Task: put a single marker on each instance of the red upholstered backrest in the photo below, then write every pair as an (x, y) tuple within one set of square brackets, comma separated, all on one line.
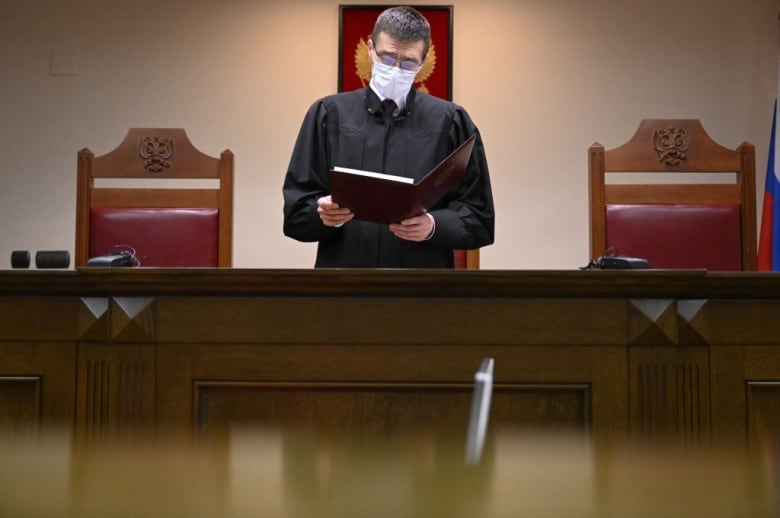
[(677, 236), (172, 237), (460, 259)]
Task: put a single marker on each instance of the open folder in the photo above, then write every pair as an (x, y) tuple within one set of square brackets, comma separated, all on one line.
[(384, 198)]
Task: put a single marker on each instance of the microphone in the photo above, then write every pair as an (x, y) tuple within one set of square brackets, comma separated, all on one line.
[(52, 259)]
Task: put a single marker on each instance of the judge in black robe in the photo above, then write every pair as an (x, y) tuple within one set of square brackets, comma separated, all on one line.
[(353, 130)]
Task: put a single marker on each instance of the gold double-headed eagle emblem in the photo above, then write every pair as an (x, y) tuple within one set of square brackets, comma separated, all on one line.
[(363, 65)]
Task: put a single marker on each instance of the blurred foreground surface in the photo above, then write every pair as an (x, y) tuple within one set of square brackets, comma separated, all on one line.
[(250, 472)]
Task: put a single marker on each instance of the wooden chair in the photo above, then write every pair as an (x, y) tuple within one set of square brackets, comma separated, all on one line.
[(158, 195), (466, 259), (675, 225)]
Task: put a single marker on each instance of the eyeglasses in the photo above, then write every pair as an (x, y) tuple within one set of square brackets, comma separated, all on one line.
[(391, 61)]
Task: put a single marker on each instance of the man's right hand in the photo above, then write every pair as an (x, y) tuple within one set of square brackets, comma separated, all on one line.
[(331, 214)]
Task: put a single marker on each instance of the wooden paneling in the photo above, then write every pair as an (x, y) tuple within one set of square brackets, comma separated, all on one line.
[(381, 320), (745, 322), (385, 408), (669, 388), (20, 402), (115, 390), (746, 391), (763, 409), (649, 355), (571, 387), (36, 384), (727, 392), (38, 318)]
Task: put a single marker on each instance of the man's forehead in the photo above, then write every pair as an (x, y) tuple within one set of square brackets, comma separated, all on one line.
[(386, 42)]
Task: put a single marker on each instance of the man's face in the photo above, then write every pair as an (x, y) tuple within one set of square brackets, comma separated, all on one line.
[(406, 54)]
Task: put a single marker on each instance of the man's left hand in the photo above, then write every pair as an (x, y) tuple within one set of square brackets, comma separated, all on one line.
[(418, 228)]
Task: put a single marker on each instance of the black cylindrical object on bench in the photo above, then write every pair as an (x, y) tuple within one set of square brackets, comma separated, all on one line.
[(52, 259), (20, 259)]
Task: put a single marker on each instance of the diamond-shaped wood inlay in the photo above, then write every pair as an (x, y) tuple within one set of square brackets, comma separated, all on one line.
[(132, 319), (694, 321), (652, 322), (668, 322), (93, 318)]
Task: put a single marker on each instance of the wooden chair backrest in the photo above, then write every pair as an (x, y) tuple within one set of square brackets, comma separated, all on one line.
[(661, 147), (155, 156)]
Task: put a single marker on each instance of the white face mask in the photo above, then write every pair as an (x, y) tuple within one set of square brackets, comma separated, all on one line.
[(392, 82)]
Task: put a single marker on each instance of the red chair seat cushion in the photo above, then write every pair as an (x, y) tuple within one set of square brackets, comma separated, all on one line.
[(677, 236), (165, 237)]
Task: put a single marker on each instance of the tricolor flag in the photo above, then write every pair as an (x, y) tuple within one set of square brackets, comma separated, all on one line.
[(769, 239)]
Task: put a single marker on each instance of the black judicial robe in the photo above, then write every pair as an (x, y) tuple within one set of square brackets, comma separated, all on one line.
[(351, 130)]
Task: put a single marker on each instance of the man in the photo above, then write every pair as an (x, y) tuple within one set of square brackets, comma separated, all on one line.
[(352, 130)]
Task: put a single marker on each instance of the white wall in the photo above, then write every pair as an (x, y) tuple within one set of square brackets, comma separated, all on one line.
[(542, 79)]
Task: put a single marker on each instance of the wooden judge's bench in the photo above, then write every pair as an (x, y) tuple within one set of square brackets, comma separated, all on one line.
[(688, 355)]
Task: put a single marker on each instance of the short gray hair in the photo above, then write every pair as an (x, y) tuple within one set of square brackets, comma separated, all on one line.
[(405, 24)]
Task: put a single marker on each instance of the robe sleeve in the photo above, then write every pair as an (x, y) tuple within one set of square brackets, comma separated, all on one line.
[(307, 179), (465, 219)]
